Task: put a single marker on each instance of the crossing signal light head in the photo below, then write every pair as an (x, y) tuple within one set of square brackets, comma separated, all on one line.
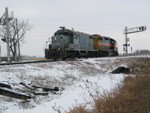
[(143, 28), (3, 39)]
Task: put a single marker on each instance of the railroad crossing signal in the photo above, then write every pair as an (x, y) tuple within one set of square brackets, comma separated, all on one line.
[(135, 29), (129, 31), (126, 44), (4, 20)]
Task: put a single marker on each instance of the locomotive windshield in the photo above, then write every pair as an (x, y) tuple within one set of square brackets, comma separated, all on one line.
[(64, 32), (112, 41)]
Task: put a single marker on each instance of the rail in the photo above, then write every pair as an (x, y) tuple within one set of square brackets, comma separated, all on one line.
[(26, 62), (51, 60)]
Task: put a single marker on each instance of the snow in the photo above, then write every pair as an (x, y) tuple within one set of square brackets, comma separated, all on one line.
[(79, 79)]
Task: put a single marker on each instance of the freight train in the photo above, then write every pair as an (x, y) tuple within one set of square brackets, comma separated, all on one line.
[(68, 43)]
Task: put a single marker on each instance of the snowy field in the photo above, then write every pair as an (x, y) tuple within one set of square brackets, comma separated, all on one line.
[(79, 79)]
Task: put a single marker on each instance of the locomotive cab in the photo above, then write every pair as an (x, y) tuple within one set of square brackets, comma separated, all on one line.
[(62, 38), (61, 42)]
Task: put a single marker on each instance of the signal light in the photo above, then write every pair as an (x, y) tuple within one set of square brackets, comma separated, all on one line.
[(3, 39), (143, 28)]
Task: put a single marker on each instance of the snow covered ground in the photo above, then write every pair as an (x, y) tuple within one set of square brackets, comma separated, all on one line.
[(79, 79)]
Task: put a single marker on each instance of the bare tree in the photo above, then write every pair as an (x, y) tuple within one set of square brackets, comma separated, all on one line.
[(17, 33)]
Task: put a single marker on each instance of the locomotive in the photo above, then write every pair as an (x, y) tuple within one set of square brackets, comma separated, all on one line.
[(66, 43)]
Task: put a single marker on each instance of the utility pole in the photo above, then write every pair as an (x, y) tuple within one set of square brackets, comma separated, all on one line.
[(129, 31), (126, 41), (7, 34), (18, 38), (0, 54), (4, 20)]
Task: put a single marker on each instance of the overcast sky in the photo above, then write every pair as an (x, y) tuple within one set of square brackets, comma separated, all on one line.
[(104, 17)]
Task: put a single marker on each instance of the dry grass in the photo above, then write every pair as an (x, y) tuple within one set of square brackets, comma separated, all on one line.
[(140, 66), (133, 96), (34, 58), (79, 109)]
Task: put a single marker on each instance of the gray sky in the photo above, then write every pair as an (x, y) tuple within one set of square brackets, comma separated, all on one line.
[(104, 17)]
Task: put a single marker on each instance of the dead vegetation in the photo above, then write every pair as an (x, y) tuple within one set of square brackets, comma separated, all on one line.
[(133, 96), (140, 66)]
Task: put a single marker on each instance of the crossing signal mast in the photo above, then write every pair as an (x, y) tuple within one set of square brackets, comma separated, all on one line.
[(4, 21), (129, 31)]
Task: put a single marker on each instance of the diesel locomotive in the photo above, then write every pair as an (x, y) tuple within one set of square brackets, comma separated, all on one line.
[(66, 43)]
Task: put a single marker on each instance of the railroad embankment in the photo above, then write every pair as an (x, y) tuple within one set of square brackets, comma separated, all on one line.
[(133, 96)]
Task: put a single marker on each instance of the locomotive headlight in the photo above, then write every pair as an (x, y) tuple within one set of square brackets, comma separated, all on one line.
[(54, 38)]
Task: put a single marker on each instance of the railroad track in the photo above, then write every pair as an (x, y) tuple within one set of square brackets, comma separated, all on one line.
[(34, 61), (26, 62)]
